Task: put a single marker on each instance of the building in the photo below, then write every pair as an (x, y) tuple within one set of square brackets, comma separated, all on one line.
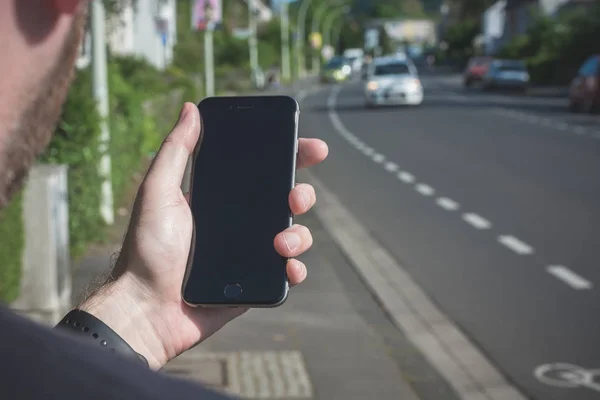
[(147, 29), (520, 14), (493, 27)]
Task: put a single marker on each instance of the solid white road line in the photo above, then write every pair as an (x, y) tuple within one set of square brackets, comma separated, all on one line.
[(569, 277), (425, 190), (378, 158), (391, 167), (406, 177), (369, 151), (516, 245), (477, 221), (447, 204)]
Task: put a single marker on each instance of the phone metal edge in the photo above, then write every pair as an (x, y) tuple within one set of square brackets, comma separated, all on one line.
[(286, 289)]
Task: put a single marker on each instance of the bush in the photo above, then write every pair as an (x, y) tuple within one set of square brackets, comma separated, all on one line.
[(75, 143), (554, 48), (11, 249)]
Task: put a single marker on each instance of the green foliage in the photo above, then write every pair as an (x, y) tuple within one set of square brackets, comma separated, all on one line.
[(75, 143), (555, 48), (460, 40), (11, 248)]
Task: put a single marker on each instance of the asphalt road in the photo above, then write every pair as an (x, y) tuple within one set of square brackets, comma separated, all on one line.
[(492, 203)]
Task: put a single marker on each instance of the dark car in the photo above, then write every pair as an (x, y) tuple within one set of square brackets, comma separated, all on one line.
[(476, 69), (506, 74), (338, 69), (584, 92)]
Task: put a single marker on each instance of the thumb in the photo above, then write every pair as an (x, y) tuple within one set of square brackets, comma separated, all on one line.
[(168, 167)]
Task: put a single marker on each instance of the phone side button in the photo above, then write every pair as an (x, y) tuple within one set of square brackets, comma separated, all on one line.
[(232, 291)]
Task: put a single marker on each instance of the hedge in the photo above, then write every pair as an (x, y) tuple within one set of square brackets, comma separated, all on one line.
[(143, 105), (11, 249)]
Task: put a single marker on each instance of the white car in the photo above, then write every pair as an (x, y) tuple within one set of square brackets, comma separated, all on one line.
[(392, 81)]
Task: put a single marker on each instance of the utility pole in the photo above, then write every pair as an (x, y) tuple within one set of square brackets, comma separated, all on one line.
[(285, 42), (209, 60), (316, 21), (252, 41), (335, 41), (328, 23), (301, 26), (100, 91)]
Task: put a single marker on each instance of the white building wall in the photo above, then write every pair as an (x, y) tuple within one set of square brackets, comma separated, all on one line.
[(136, 32)]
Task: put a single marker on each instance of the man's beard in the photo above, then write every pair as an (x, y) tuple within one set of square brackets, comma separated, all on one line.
[(36, 125)]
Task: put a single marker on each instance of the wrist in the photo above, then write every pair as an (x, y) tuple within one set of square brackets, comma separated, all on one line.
[(128, 310)]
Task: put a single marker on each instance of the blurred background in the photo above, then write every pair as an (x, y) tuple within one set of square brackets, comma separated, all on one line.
[(457, 231)]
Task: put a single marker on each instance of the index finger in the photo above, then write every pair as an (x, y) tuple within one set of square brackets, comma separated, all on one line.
[(311, 152)]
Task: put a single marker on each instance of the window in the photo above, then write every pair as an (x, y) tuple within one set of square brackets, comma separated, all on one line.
[(590, 67), (392, 69)]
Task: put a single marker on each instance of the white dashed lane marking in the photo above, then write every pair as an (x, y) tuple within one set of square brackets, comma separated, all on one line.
[(569, 277), (516, 245), (378, 158), (447, 204), (391, 167), (512, 243), (406, 177), (425, 190), (477, 221)]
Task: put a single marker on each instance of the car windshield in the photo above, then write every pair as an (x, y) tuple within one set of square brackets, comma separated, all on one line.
[(337, 62), (392, 69), (511, 66)]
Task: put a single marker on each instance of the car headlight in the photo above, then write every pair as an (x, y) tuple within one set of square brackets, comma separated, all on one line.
[(372, 86), (414, 85)]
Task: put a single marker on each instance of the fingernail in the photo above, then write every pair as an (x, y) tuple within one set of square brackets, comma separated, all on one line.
[(182, 113), (292, 241), (298, 267), (304, 198)]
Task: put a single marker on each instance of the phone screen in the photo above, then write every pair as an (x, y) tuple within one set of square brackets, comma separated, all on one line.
[(242, 175)]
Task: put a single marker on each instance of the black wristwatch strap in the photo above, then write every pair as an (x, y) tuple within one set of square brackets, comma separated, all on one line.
[(86, 325)]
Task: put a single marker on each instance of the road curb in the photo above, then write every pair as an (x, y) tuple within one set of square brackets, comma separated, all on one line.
[(460, 362), (465, 368)]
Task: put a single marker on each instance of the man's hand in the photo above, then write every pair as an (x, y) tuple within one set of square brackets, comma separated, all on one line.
[(143, 302)]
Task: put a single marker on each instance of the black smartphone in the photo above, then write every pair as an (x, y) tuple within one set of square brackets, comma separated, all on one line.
[(243, 170)]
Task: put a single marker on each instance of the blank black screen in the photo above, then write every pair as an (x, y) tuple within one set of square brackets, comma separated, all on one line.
[(242, 175)]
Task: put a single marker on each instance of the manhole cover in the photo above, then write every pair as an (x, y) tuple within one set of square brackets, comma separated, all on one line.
[(251, 375)]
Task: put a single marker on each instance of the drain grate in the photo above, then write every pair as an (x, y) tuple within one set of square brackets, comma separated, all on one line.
[(250, 375)]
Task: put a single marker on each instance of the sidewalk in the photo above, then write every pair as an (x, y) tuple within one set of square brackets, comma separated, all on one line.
[(325, 342)]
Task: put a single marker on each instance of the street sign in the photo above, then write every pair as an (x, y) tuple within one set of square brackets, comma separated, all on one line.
[(327, 52), (316, 40), (206, 14)]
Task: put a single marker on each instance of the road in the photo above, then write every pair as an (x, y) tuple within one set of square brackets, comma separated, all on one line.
[(491, 202)]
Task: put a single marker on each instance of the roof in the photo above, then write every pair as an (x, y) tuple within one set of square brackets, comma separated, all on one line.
[(390, 60)]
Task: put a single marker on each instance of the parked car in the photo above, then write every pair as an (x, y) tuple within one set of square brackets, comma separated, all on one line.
[(476, 69), (506, 74), (393, 80), (338, 69), (584, 92)]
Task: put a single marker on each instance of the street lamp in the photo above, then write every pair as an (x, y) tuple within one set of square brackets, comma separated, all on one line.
[(316, 22), (328, 23), (300, 37), (335, 36)]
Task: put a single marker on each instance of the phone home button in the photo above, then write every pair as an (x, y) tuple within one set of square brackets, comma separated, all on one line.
[(232, 291)]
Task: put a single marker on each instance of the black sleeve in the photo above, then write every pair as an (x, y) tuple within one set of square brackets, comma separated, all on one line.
[(40, 363)]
